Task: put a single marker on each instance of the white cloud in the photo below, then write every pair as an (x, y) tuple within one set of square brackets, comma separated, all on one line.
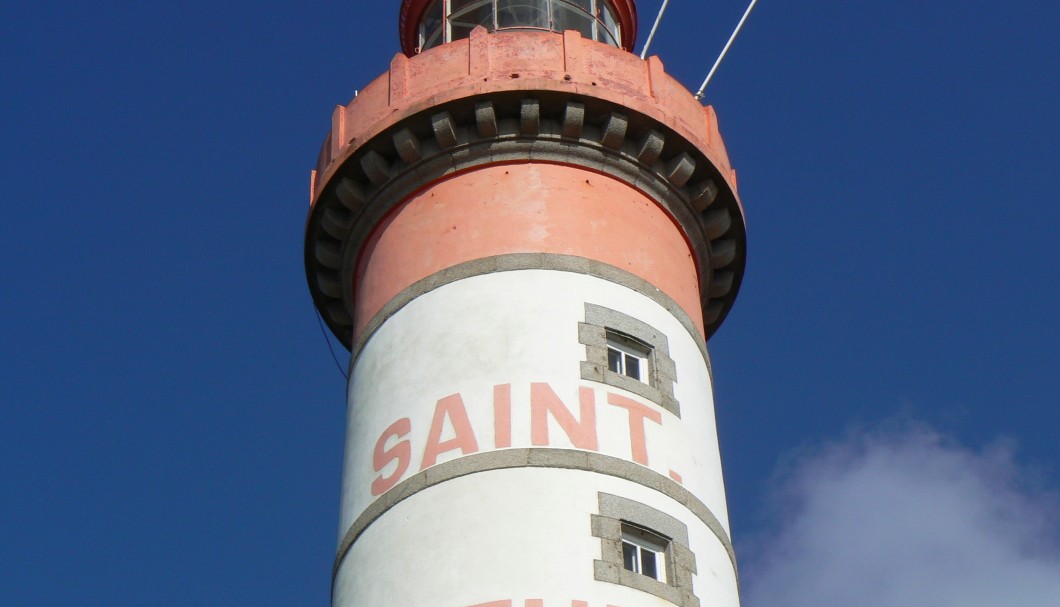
[(906, 519)]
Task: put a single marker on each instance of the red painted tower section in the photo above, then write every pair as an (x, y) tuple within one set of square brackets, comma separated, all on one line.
[(525, 237)]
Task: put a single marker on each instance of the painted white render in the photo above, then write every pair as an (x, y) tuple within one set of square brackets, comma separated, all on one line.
[(525, 547), (516, 329)]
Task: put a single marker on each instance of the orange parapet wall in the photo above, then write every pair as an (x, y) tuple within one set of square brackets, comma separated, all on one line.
[(520, 61)]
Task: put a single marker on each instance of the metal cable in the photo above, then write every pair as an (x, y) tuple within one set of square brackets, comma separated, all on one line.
[(323, 331)]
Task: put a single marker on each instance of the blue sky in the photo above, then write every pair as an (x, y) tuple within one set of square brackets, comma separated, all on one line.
[(171, 419)]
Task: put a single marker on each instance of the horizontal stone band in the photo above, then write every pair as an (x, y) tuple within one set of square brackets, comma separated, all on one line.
[(504, 459), (530, 261)]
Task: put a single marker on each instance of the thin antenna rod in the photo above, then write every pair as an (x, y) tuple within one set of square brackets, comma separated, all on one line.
[(651, 36), (739, 26)]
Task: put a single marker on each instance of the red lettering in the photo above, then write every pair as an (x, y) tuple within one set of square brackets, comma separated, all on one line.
[(531, 603), (502, 416), (401, 451), (543, 400), (464, 437), (637, 414)]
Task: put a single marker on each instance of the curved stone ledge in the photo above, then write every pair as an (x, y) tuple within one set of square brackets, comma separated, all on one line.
[(519, 127), (568, 459), (529, 261)]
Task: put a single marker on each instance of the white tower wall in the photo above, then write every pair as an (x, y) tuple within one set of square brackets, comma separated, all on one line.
[(457, 359)]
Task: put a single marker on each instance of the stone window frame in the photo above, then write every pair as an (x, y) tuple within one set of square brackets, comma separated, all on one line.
[(662, 372), (616, 511)]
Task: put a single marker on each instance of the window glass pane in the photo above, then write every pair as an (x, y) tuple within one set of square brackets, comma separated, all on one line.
[(643, 551), (565, 17), (614, 360), (647, 563), (629, 557), (633, 366), (632, 356), (522, 13)]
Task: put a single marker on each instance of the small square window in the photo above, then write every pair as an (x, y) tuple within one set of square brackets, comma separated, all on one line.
[(644, 552), (628, 356)]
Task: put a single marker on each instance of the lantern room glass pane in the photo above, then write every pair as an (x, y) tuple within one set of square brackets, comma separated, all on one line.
[(522, 13), (565, 17), (609, 31), (431, 26), (449, 20), (465, 15), (471, 12), (432, 39)]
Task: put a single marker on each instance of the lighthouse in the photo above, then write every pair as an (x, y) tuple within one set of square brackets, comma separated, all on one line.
[(526, 235)]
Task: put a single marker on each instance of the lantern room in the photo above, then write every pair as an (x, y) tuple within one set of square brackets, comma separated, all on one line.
[(426, 24)]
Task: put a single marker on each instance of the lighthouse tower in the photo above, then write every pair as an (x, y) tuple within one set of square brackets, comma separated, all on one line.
[(526, 234)]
